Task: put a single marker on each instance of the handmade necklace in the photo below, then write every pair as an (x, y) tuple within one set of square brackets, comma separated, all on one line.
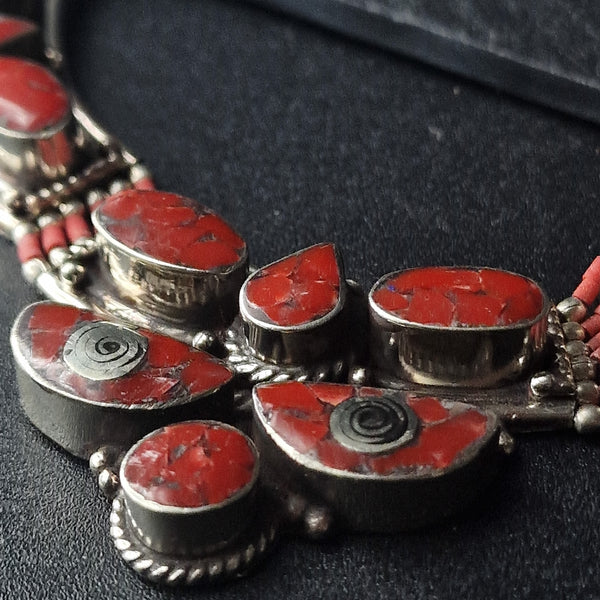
[(125, 357)]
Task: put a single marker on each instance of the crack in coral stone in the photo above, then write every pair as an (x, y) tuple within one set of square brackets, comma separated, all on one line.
[(459, 297), (171, 370), (171, 228), (297, 289), (31, 98), (189, 465), (300, 414)]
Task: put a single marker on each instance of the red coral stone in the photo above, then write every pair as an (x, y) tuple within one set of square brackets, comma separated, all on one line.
[(438, 445), (332, 393), (301, 432), (428, 409), (50, 325), (172, 370), (297, 289), (291, 395), (171, 228), (303, 422), (333, 454), (10, 28), (189, 465), (203, 373), (459, 297), (31, 98)]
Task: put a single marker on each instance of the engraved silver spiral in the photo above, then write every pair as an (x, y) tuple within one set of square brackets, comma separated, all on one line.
[(103, 350), (373, 424)]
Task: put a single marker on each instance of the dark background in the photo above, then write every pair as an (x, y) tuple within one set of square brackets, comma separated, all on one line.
[(296, 136)]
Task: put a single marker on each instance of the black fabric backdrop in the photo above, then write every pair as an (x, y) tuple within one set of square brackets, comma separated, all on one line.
[(297, 136)]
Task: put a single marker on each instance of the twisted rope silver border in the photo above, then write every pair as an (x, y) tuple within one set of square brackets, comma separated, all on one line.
[(247, 366), (228, 563)]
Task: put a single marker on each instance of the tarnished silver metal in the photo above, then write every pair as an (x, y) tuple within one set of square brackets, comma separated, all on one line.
[(80, 425), (584, 368), (365, 501), (72, 273), (21, 229), (297, 344), (102, 350), (573, 331), (32, 159), (108, 482), (251, 370), (58, 256), (190, 531), (104, 458), (230, 562), (587, 419), (572, 309), (455, 355), (519, 410), (588, 392), (195, 298), (576, 348)]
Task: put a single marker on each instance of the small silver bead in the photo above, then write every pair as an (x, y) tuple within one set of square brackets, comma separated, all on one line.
[(573, 331), (58, 256), (72, 273), (108, 482), (583, 368), (33, 268), (576, 348), (359, 376), (95, 196), (22, 229), (507, 442), (103, 458), (209, 342), (588, 392), (139, 172), (317, 522), (587, 419), (72, 207), (118, 185), (48, 219), (572, 309), (203, 340), (295, 506), (541, 384), (84, 248)]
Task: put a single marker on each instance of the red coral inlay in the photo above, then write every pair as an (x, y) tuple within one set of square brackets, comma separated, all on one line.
[(11, 29), (300, 414), (189, 465), (459, 297), (31, 98), (172, 229), (297, 289), (172, 370)]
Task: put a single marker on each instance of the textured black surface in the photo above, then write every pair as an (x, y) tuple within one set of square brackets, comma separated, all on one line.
[(542, 50), (297, 136)]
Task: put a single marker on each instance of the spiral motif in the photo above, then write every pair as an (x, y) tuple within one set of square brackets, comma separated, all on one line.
[(373, 424), (102, 350)]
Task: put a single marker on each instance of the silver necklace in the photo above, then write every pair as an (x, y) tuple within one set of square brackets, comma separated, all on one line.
[(279, 338)]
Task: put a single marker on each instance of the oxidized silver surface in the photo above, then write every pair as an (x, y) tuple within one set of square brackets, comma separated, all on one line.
[(465, 356), (228, 563), (373, 424), (103, 350)]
